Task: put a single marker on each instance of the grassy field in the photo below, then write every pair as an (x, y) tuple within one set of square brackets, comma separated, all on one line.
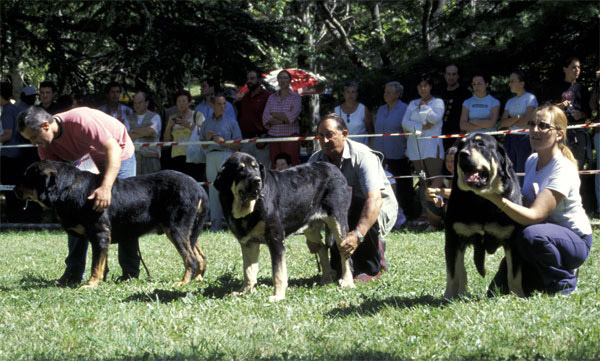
[(400, 316)]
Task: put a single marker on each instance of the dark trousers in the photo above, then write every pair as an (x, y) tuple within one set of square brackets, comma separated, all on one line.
[(369, 256), (580, 143), (550, 254), (405, 192)]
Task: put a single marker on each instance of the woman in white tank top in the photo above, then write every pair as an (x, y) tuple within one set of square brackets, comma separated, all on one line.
[(356, 115)]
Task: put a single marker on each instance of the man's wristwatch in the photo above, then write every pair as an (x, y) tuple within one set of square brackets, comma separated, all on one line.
[(359, 235)]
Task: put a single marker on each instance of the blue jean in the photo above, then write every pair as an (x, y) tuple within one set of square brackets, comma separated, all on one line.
[(555, 252), (128, 256)]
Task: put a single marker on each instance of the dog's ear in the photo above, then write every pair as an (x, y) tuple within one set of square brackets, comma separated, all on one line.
[(505, 163), (48, 191), (221, 178), (263, 171)]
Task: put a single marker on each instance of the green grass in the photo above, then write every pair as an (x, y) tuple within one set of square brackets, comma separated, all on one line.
[(400, 316)]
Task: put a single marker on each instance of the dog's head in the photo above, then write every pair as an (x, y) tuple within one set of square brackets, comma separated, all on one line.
[(39, 183), (482, 165), (244, 177)]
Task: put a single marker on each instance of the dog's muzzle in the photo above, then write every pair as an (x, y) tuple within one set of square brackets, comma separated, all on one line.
[(475, 175), (253, 188)]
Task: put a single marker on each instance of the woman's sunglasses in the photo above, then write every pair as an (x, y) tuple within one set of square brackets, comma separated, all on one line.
[(540, 125)]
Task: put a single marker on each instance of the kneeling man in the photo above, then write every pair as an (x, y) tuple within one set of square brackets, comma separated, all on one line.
[(374, 207)]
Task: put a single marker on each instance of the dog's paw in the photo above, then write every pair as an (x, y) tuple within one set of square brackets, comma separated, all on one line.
[(276, 298), (181, 283), (89, 286), (346, 283), (243, 291), (326, 279)]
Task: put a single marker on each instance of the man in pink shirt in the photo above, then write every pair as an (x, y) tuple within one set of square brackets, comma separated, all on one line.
[(69, 136)]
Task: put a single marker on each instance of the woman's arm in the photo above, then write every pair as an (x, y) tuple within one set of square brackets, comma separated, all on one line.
[(543, 205)]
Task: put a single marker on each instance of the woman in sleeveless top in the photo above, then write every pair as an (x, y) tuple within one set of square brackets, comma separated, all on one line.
[(355, 115)]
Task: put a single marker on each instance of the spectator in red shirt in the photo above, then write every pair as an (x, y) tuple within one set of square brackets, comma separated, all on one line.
[(252, 106), (68, 137)]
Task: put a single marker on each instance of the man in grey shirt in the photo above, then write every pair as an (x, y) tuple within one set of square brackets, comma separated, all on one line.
[(374, 207)]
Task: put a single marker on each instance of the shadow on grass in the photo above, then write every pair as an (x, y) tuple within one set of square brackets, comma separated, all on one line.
[(375, 305), (34, 282), (162, 296)]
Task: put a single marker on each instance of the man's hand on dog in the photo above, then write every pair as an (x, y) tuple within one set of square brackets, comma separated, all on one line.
[(102, 198), (349, 245)]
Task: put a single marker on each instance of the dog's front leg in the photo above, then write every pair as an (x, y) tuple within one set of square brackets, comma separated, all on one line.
[(99, 260), (515, 279), (456, 274), (250, 253), (335, 229), (279, 266)]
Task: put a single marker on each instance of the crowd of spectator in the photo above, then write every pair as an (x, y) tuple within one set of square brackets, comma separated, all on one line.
[(441, 108)]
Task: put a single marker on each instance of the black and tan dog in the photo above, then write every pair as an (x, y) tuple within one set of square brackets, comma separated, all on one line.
[(481, 165), (266, 206), (166, 201)]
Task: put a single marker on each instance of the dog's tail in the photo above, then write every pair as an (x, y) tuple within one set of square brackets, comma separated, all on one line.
[(479, 257)]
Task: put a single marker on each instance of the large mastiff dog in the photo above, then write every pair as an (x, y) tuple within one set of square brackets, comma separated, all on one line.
[(481, 166), (266, 206), (166, 201)]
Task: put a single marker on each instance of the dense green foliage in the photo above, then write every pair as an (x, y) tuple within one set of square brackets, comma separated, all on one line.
[(400, 316), (170, 44)]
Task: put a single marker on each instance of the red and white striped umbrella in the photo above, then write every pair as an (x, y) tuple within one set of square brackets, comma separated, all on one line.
[(303, 82)]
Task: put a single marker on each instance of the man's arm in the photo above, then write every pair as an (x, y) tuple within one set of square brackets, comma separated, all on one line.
[(102, 194), (368, 217), (5, 137), (142, 132)]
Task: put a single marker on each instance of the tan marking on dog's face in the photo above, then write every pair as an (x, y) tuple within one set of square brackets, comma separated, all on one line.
[(253, 164), (243, 165), (258, 232), (30, 194), (239, 208), (79, 229)]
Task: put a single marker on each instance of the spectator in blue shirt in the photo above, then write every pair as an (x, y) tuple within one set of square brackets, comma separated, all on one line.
[(218, 128), (389, 120)]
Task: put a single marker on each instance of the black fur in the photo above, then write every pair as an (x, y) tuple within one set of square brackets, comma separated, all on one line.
[(166, 201), (286, 201), (465, 206)]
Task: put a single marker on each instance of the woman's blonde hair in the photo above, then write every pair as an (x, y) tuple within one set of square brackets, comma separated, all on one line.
[(555, 116)]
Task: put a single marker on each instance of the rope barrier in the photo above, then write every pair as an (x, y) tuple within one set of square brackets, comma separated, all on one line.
[(10, 187), (314, 137)]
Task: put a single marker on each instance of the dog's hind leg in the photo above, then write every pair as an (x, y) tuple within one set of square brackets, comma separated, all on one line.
[(99, 261), (182, 244), (313, 235), (201, 259), (337, 230)]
